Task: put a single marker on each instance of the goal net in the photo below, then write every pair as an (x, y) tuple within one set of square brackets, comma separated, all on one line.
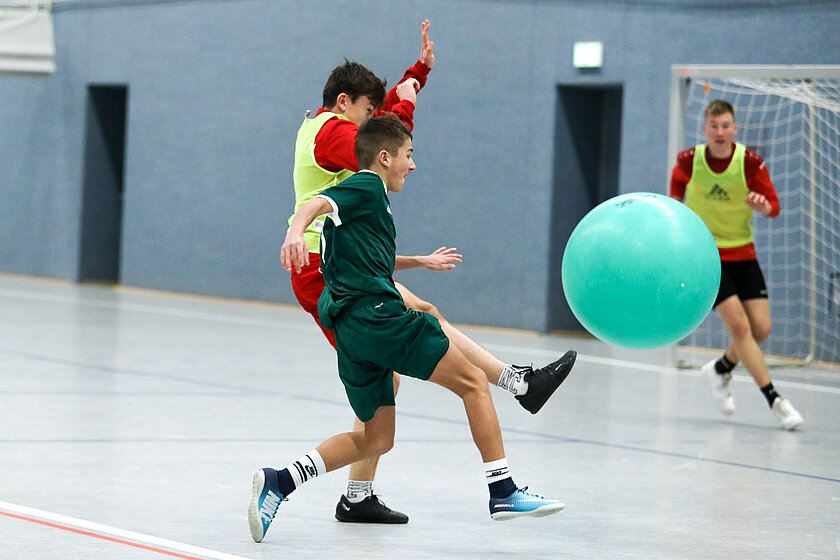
[(790, 115)]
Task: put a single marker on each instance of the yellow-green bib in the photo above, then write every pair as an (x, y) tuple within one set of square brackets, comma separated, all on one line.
[(718, 198), (310, 178)]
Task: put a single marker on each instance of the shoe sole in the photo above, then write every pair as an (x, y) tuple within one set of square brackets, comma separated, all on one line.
[(726, 411), (793, 426), (539, 512), (371, 521), (254, 521), (567, 362)]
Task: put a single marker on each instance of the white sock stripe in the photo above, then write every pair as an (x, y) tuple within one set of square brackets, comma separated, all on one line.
[(496, 470), (307, 467), (506, 377), (358, 490), (297, 473), (317, 462), (497, 464), (512, 379)]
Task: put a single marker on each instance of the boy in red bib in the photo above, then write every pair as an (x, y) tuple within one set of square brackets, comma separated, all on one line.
[(724, 182)]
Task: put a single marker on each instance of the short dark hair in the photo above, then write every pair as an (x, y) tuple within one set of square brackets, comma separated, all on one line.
[(355, 80), (719, 107), (380, 133)]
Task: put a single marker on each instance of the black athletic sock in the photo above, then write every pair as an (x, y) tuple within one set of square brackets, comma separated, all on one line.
[(724, 366), (770, 393), (503, 488), (285, 482)]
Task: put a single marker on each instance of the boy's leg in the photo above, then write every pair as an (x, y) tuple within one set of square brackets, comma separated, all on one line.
[(270, 487), (359, 504), (457, 374), (376, 439), (758, 314), (746, 350), (741, 340), (474, 352), (532, 388)]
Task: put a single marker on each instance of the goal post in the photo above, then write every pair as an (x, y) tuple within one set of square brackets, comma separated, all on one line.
[(790, 115)]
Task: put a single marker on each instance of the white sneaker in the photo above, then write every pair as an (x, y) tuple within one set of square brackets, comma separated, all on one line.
[(787, 415), (719, 385)]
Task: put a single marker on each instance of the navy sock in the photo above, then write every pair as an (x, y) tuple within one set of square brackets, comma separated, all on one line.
[(770, 393), (502, 488), (723, 365), (285, 483)]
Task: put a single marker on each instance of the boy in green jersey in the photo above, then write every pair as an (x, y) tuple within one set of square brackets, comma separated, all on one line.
[(376, 334), (325, 155)]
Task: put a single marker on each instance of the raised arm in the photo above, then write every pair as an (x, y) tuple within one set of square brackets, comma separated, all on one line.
[(419, 72), (294, 252), (427, 48)]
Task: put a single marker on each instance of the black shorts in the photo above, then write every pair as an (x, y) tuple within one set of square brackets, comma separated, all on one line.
[(741, 278)]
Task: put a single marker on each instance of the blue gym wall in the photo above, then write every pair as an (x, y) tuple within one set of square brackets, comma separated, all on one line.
[(217, 90)]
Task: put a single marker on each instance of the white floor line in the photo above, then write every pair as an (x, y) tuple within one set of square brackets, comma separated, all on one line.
[(114, 531), (158, 310), (273, 323), (654, 368)]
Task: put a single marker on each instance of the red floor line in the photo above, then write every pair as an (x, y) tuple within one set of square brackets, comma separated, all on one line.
[(98, 536)]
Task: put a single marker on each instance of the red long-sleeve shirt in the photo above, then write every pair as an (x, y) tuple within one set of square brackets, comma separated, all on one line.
[(758, 180), (335, 143)]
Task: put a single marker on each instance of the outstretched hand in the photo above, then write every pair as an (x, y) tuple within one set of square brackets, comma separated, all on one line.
[(294, 253), (443, 259), (758, 202), (427, 51)]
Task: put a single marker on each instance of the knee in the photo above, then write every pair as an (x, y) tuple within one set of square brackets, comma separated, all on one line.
[(426, 307), (381, 445), (761, 332), (474, 381), (739, 328)]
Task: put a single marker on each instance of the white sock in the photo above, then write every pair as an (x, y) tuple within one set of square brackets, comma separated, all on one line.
[(494, 471), (513, 379), (307, 467), (358, 490)]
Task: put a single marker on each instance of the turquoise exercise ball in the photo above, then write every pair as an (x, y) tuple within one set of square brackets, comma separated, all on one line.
[(641, 270)]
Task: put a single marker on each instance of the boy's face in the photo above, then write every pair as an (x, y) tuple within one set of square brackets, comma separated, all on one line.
[(400, 165), (359, 111), (720, 130)]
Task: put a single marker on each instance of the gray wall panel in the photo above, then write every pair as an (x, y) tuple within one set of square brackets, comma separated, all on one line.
[(218, 89)]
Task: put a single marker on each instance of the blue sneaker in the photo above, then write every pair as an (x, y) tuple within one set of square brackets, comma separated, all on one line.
[(520, 504), (265, 499)]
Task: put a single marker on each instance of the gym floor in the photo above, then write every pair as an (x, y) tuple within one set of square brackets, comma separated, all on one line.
[(131, 423)]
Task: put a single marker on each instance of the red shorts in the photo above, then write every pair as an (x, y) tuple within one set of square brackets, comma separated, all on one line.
[(308, 285)]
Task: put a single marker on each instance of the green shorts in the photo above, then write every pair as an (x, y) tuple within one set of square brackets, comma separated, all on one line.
[(377, 336)]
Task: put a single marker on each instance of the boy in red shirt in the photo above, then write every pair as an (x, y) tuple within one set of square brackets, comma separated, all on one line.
[(324, 156), (724, 182)]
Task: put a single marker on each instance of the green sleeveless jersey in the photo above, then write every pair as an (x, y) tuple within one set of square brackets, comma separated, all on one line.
[(358, 245), (718, 198), (309, 177)]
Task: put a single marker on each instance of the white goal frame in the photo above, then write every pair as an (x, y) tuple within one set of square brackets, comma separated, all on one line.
[(681, 74)]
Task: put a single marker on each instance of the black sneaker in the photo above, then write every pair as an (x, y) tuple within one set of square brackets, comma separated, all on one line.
[(369, 510), (544, 381)]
